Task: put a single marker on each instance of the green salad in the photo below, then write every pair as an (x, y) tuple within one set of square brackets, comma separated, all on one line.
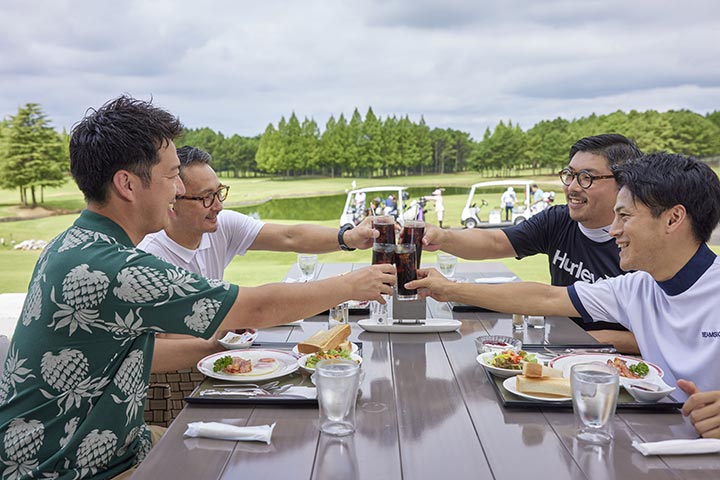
[(512, 360), (313, 359)]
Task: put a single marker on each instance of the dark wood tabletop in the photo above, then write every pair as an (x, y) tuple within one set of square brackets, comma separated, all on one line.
[(426, 411)]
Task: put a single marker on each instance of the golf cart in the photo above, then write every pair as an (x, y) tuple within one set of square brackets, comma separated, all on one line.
[(358, 203), (521, 212)]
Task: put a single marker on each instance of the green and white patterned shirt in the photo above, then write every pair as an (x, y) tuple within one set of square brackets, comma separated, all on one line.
[(77, 371)]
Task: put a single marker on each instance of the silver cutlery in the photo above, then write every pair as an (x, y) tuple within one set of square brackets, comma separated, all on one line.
[(567, 351)]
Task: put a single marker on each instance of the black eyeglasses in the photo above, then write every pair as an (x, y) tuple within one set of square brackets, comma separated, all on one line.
[(584, 178), (207, 200)]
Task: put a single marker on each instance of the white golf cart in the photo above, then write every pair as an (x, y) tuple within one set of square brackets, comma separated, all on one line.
[(358, 203), (521, 212)]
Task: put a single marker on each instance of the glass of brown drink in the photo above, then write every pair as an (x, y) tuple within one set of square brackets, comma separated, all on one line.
[(405, 264), (386, 226), (413, 232)]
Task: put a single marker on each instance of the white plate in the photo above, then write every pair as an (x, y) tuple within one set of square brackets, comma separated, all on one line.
[(430, 326), (354, 349), (303, 360), (565, 362), (511, 387), (287, 365), (484, 359), (233, 340)]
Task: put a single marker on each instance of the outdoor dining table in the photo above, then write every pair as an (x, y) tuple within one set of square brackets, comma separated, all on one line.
[(426, 410)]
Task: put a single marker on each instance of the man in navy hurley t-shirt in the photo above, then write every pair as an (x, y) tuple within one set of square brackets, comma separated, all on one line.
[(574, 236)]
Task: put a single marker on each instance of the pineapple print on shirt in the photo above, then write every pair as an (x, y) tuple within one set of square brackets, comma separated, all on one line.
[(22, 443), (67, 373), (14, 373), (204, 310), (83, 291), (129, 379), (147, 285), (95, 452)]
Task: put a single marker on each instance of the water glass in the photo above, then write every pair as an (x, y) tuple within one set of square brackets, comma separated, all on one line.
[(535, 321), (307, 263), (594, 394), (337, 382), (338, 315), (447, 264), (518, 321)]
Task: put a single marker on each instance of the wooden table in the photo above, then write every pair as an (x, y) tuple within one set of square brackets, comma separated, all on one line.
[(426, 411)]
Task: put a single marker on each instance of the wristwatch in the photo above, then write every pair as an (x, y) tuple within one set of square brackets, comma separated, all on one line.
[(341, 240)]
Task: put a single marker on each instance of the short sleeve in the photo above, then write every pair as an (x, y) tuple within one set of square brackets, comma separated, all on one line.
[(148, 293), (531, 236)]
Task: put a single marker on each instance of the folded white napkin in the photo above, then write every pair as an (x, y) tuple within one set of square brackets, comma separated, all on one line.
[(223, 431), (495, 279), (679, 447)]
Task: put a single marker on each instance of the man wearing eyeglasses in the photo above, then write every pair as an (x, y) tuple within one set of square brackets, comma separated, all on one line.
[(204, 238), (573, 236)]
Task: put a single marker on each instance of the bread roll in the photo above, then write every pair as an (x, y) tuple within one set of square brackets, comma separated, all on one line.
[(538, 370), (325, 339), (559, 387)]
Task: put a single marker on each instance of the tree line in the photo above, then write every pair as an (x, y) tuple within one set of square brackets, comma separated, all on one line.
[(33, 155)]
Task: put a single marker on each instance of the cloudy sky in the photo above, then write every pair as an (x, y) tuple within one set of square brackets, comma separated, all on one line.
[(237, 65)]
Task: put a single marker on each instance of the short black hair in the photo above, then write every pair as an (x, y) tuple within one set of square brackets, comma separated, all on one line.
[(615, 148), (192, 155), (662, 180), (123, 134)]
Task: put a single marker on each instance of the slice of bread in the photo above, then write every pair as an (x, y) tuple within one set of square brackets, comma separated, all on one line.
[(325, 339), (538, 370), (559, 387)]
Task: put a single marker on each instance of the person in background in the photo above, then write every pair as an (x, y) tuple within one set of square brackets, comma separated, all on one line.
[(77, 371), (391, 206), (537, 193), (665, 212), (439, 205), (508, 200), (574, 236)]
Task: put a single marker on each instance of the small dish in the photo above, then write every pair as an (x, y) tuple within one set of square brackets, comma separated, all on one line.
[(496, 343), (302, 361), (485, 360), (647, 391), (238, 339)]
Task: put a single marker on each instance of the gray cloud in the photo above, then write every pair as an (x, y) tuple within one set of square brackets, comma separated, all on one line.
[(237, 66)]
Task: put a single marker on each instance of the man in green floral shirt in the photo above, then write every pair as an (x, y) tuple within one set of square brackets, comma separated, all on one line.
[(76, 375)]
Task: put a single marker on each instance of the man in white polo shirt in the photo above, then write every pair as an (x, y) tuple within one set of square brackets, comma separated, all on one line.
[(204, 238), (666, 210)]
